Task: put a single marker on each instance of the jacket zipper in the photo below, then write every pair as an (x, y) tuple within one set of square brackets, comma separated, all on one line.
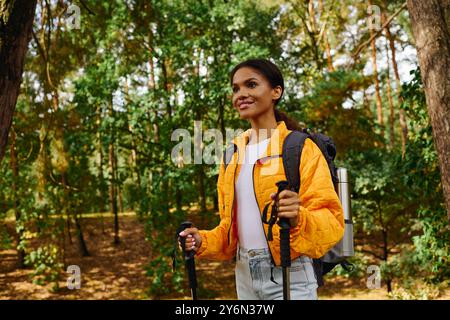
[(234, 193), (262, 225)]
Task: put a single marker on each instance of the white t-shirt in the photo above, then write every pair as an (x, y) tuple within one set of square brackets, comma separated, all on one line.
[(250, 229)]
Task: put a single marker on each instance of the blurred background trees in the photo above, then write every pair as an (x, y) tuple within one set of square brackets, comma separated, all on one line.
[(91, 134)]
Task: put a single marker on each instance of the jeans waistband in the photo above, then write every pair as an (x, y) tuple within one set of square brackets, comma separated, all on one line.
[(263, 253), (252, 253)]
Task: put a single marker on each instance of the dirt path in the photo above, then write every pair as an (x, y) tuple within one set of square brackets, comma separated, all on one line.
[(117, 272), (111, 272)]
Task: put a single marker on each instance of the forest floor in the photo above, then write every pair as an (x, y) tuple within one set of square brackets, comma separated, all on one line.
[(118, 271)]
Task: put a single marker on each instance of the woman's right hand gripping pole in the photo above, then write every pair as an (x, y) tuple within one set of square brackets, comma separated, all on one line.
[(193, 239)]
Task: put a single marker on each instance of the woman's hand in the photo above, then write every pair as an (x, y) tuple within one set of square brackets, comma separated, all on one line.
[(193, 239), (288, 206)]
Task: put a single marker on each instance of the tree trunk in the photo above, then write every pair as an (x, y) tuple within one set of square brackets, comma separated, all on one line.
[(15, 171), (385, 255), (402, 118), (202, 194), (385, 258), (328, 51), (202, 189), (64, 205), (101, 183), (312, 33), (82, 244), (430, 21), (112, 179), (120, 197), (179, 199), (325, 39), (16, 21), (389, 96), (83, 247), (134, 162), (151, 82), (377, 82), (216, 201), (118, 184)]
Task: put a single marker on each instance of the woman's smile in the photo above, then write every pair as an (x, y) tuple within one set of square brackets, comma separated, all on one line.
[(245, 104)]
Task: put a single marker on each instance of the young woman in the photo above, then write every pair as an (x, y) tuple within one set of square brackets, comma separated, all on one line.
[(249, 183)]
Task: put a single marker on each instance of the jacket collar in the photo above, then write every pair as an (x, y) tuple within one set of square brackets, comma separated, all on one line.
[(276, 140)]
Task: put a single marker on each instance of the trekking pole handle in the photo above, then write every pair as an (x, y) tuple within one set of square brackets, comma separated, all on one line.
[(284, 222), (187, 254), (285, 246), (189, 261)]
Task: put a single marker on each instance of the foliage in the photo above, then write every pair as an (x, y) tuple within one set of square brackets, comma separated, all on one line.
[(431, 246), (46, 265), (5, 238)]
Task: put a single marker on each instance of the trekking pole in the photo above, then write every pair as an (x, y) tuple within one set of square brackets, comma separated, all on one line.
[(285, 247), (189, 261)]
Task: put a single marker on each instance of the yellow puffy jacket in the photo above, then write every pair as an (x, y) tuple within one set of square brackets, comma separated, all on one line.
[(321, 223)]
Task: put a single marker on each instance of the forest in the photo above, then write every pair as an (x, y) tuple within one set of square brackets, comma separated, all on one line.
[(91, 93)]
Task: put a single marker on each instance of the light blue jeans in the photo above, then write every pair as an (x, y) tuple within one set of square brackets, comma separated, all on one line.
[(253, 272)]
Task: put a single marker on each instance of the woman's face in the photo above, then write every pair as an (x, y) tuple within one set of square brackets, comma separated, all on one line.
[(252, 93)]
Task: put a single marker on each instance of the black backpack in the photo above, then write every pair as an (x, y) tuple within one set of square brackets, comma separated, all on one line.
[(291, 155)]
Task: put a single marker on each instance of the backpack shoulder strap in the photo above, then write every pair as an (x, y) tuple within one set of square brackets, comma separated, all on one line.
[(291, 154), (328, 148), (228, 154)]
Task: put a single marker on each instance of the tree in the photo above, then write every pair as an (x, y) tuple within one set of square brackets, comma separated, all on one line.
[(16, 21), (430, 20)]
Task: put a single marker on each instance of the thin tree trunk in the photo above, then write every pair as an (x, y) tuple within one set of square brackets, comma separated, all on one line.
[(377, 82), (384, 234), (216, 201), (327, 44), (328, 51), (312, 16), (391, 103), (430, 21), (41, 172), (402, 118), (64, 204), (202, 188), (165, 68), (83, 247), (198, 117), (82, 244), (120, 198), (167, 89), (391, 112), (313, 33), (118, 184), (101, 183), (151, 83), (152, 127), (385, 258), (15, 171), (179, 199), (63, 170), (112, 180), (134, 162), (16, 22)]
